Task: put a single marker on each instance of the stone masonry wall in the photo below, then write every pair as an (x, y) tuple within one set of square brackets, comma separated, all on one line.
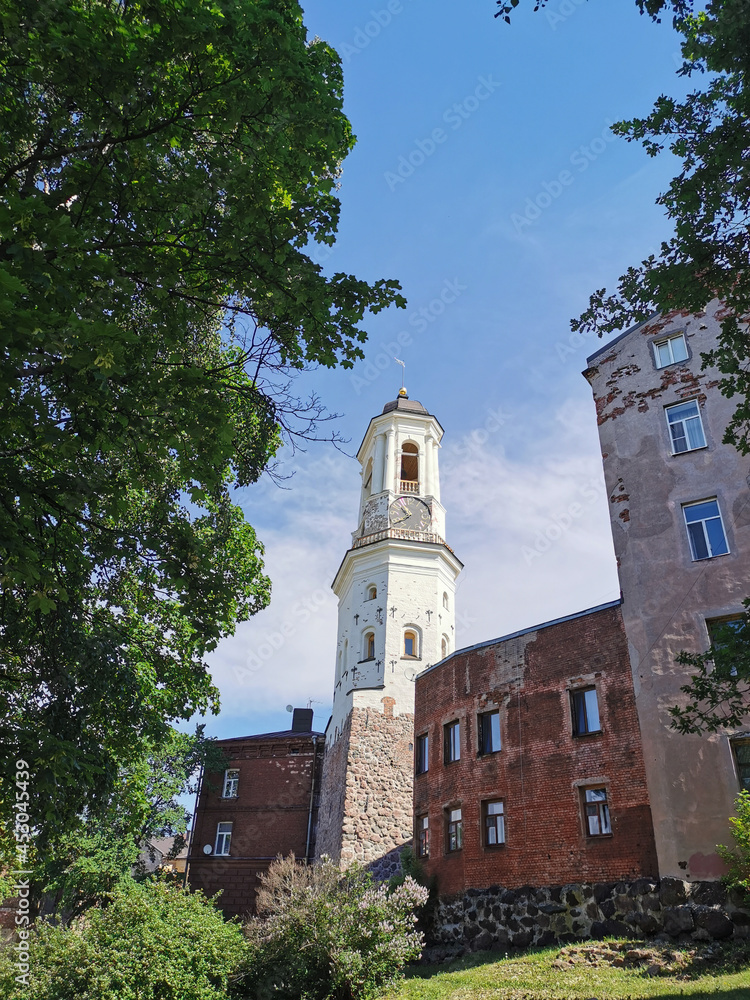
[(484, 919), (366, 805)]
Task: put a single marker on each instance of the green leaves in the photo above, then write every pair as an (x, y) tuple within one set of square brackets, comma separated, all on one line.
[(162, 166)]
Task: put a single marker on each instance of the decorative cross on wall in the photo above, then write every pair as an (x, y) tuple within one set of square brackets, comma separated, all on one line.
[(393, 666), (356, 619), (379, 616), (393, 612), (429, 615)]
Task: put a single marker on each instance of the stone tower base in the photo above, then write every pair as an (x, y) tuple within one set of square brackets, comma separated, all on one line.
[(366, 794)]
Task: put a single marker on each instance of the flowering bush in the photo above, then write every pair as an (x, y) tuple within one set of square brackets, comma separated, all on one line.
[(322, 932)]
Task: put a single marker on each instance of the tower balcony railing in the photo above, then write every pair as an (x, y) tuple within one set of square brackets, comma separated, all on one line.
[(404, 534), (409, 486)]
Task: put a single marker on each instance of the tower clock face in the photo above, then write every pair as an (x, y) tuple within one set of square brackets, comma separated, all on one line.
[(409, 512)]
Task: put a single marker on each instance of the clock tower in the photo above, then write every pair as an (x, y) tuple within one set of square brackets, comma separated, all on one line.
[(396, 589)]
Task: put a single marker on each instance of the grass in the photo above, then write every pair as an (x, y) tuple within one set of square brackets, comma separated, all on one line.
[(614, 970)]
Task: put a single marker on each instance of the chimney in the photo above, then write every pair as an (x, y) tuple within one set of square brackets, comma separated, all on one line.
[(302, 719)]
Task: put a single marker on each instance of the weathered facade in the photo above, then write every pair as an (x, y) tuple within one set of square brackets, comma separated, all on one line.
[(680, 513), (264, 804), (529, 762)]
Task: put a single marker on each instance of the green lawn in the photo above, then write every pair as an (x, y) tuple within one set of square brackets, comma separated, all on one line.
[(604, 970)]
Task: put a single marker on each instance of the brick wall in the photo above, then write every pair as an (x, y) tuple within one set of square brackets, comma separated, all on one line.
[(542, 770), (269, 815)]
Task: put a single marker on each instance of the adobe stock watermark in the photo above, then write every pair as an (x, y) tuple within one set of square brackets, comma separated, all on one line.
[(301, 613), (22, 886), (563, 12), (369, 31), (476, 439), (562, 521), (581, 159), (454, 116), (372, 368)]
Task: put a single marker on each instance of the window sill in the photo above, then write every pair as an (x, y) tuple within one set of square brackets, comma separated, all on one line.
[(488, 753), (494, 847), (418, 774), (406, 657), (367, 659), (593, 837), (229, 798), (689, 451), (582, 736)]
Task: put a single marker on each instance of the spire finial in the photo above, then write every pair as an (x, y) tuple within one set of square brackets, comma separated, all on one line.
[(402, 390)]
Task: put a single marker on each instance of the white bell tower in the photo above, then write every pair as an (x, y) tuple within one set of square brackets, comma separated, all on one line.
[(396, 590)]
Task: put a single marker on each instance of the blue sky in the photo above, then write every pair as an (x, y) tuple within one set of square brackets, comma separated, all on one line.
[(486, 180)]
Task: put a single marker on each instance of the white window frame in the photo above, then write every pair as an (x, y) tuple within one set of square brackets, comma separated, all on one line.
[(423, 836), (454, 836), (596, 813), (422, 762), (366, 644), (706, 537), (231, 783), (486, 736), (494, 823), (223, 839), (669, 341), (592, 722), (452, 741), (682, 423)]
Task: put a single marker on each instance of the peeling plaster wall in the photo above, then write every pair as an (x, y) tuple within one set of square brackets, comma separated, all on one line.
[(667, 597)]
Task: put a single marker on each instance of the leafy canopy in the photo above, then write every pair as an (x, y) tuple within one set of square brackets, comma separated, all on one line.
[(164, 165)]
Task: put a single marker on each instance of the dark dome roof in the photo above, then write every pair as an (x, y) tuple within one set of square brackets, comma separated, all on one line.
[(406, 404)]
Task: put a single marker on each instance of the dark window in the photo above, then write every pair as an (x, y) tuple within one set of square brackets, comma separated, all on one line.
[(489, 732), (423, 836), (494, 823), (452, 742), (597, 812), (585, 711), (455, 838), (742, 756), (423, 753), (409, 463)]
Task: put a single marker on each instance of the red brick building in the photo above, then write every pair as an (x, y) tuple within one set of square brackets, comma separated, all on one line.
[(529, 766), (264, 804)]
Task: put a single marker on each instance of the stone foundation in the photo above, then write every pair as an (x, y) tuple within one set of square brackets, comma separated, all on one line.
[(366, 797), (496, 918)]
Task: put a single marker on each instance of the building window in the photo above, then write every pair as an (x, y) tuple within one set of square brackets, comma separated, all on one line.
[(452, 742), (585, 711), (411, 644), (685, 427), (494, 823), (423, 836), (409, 468), (488, 729), (223, 838), (372, 593), (231, 783), (597, 812), (670, 350), (369, 649), (445, 600), (455, 838), (423, 753), (705, 529), (444, 646), (742, 756)]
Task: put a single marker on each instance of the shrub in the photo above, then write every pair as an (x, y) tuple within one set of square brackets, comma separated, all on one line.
[(738, 860), (151, 942), (322, 932)]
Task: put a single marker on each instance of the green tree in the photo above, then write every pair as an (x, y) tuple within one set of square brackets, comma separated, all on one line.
[(152, 942), (164, 167), (737, 859), (112, 847)]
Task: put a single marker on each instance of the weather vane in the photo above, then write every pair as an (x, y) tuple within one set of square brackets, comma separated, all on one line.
[(403, 372)]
